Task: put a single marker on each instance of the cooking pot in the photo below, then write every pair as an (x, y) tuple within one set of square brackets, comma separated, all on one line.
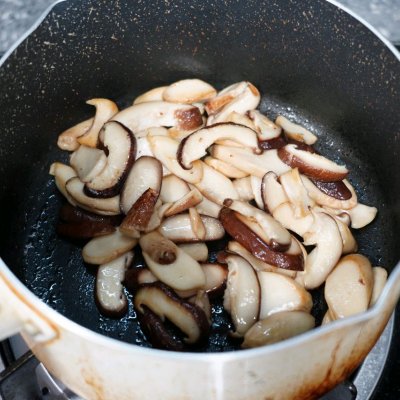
[(311, 60)]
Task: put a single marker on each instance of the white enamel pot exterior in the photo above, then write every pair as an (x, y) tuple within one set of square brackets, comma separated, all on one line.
[(99, 368)]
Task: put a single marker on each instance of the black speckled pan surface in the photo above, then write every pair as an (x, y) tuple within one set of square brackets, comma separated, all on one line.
[(311, 61)]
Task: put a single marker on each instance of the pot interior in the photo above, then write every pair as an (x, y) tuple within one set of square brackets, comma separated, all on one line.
[(312, 63)]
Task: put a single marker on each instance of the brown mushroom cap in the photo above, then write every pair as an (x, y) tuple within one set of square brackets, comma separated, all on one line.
[(160, 299), (253, 243)]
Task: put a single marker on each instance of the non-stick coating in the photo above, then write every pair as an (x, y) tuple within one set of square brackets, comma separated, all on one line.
[(311, 61)]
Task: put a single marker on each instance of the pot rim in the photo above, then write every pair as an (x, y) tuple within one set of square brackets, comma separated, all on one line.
[(60, 320), (71, 326)]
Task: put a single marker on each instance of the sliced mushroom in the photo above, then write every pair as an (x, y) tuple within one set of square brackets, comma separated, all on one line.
[(296, 192), (265, 128), (215, 275), (159, 113), (277, 327), (71, 214), (138, 217), (197, 224), (85, 228), (258, 247), (253, 164), (173, 189), (88, 162), (337, 190), (157, 216), (201, 300), (155, 94), (105, 110), (324, 200), (248, 99), (241, 119), (255, 182), (170, 264), (137, 276), (348, 288), (67, 140), (361, 215), (189, 91), (262, 224), (285, 214), (75, 189), (244, 188), (145, 174), (157, 333), (215, 186), (311, 164), (191, 199), (179, 229), (195, 146), (274, 143), (152, 131), (295, 131), (110, 296), (198, 251), (224, 97), (209, 208), (256, 263), (62, 174), (230, 171), (242, 294), (325, 235), (121, 147), (189, 318), (348, 241), (327, 318), (104, 249), (281, 293), (272, 192), (380, 277), (165, 150)]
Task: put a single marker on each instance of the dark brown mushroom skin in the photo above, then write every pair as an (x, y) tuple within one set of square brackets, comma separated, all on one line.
[(274, 245), (253, 243), (182, 143), (274, 143), (132, 278), (189, 119), (84, 230), (309, 170), (69, 213), (301, 145), (337, 190), (139, 215), (198, 314), (154, 329), (116, 188), (76, 223)]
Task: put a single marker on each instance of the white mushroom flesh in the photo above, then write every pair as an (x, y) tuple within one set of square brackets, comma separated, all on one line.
[(380, 277), (348, 288), (278, 327), (242, 294), (88, 162), (189, 91), (281, 293), (104, 249), (295, 131), (109, 289), (170, 264)]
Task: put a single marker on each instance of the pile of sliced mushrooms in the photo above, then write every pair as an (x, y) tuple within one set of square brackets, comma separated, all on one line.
[(185, 165)]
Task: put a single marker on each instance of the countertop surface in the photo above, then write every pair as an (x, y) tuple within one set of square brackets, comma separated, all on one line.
[(16, 16)]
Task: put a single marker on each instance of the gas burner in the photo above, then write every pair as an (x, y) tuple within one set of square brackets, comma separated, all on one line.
[(27, 378)]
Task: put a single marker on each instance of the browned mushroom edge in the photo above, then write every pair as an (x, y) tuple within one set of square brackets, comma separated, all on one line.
[(253, 243)]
